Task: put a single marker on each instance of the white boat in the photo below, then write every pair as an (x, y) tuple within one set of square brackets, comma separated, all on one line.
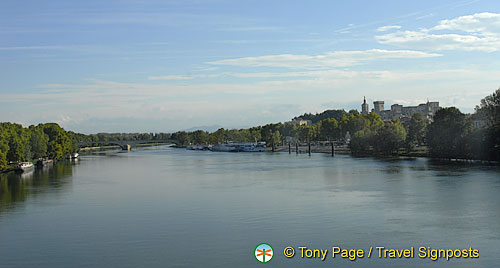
[(198, 147), (73, 156), (254, 147), (227, 147), (240, 147), (24, 166)]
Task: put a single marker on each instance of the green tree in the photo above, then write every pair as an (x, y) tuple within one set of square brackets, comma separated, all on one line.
[(361, 141), (315, 118), (490, 109), (182, 137), (255, 135), (446, 135), (307, 133), (217, 137), (390, 138), (60, 143), (417, 130), (276, 138), (17, 139), (4, 148), (38, 142), (329, 129), (199, 137)]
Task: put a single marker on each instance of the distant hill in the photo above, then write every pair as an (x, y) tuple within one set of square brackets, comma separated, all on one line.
[(212, 128), (337, 114)]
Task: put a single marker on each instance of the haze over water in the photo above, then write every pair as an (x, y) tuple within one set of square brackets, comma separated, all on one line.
[(166, 207)]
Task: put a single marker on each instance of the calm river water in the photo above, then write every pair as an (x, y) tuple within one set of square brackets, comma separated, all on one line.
[(166, 207)]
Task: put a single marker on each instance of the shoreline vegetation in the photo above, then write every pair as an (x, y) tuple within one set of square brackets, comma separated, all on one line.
[(450, 135), (19, 144)]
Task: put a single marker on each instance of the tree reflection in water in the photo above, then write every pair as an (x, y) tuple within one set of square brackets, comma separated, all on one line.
[(16, 188)]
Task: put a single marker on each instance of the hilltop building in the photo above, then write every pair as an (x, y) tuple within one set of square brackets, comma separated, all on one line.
[(364, 106), (301, 122), (398, 111), (378, 107)]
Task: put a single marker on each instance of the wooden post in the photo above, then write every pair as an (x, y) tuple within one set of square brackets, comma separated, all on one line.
[(333, 150), (273, 145), (289, 148), (309, 145), (296, 148)]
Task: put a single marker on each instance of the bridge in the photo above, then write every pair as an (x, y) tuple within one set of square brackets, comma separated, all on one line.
[(125, 145)]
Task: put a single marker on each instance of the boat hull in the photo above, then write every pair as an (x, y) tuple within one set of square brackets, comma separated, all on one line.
[(25, 166), (240, 147)]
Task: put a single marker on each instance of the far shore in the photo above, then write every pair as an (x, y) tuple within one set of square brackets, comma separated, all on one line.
[(111, 147)]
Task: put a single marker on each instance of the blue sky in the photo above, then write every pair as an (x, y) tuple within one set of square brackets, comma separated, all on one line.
[(126, 66)]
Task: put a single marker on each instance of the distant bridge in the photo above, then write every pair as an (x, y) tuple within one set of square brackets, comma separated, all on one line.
[(126, 145)]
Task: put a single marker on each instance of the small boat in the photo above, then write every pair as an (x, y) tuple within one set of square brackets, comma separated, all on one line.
[(240, 147), (227, 147), (24, 166), (198, 147), (73, 156), (254, 147), (43, 162)]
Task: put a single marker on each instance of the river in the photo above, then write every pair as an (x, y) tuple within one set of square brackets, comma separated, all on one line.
[(167, 207)]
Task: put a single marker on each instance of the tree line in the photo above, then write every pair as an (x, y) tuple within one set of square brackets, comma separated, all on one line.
[(25, 144), (450, 134), (454, 134)]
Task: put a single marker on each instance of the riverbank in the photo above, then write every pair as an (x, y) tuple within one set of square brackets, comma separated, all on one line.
[(314, 149), (10, 169), (420, 152), (111, 147)]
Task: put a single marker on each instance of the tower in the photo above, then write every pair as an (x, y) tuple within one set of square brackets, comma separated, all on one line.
[(364, 106), (378, 106)]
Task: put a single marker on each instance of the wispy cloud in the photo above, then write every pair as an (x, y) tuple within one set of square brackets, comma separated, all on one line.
[(253, 29), (480, 32), (171, 77), (425, 16), (328, 60), (388, 27), (250, 101), (254, 41), (32, 48)]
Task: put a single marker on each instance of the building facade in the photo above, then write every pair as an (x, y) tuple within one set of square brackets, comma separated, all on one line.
[(301, 122), (364, 106), (378, 106), (401, 112)]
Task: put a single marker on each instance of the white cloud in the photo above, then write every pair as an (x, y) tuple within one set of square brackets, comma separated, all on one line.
[(477, 32), (388, 27), (172, 107), (477, 23), (328, 60)]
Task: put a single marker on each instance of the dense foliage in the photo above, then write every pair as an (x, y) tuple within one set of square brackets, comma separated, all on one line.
[(25, 144), (453, 134), (335, 114)]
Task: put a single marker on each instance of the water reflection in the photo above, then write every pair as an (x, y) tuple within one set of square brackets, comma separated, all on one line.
[(16, 188), (154, 208)]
